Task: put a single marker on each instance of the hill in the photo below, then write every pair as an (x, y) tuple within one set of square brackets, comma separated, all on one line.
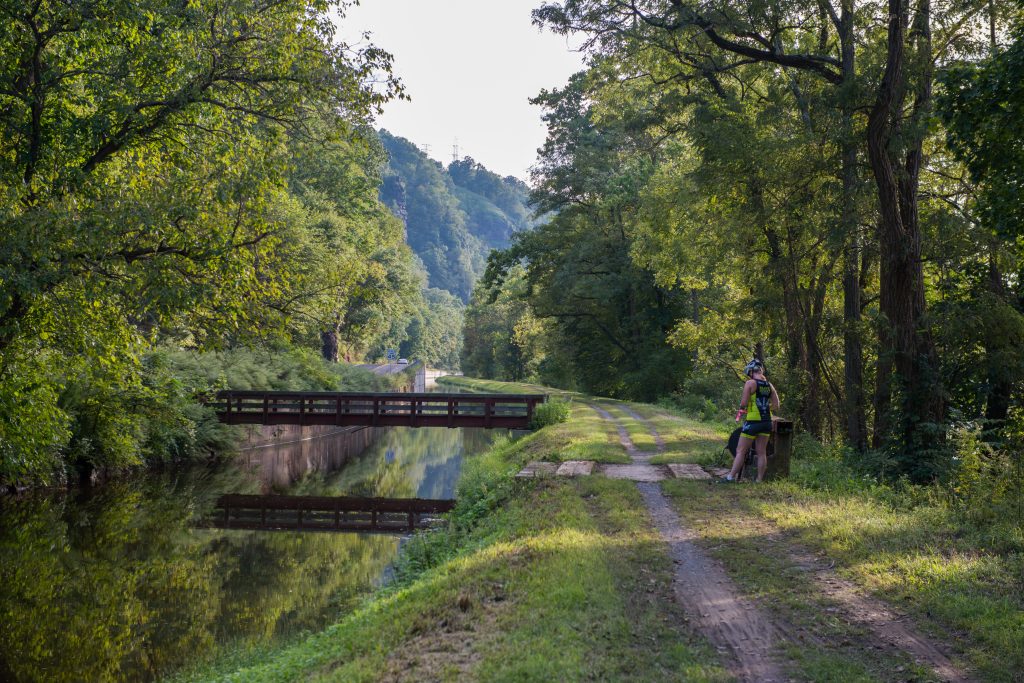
[(453, 216)]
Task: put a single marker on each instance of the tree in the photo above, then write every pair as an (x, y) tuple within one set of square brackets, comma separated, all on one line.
[(809, 47), (142, 168)]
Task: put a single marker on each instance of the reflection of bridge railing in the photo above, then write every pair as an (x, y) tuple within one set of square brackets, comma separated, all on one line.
[(505, 411), (319, 513)]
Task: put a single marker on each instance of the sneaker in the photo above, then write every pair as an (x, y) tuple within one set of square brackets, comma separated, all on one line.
[(726, 480)]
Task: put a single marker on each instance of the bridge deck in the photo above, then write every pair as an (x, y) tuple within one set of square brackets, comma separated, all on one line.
[(318, 513), (505, 411)]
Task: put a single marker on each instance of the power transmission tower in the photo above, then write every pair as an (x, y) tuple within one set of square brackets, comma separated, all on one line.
[(455, 150), (426, 149)]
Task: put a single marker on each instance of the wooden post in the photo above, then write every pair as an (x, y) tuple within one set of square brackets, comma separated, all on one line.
[(266, 408), (778, 463), (451, 413), (488, 409)]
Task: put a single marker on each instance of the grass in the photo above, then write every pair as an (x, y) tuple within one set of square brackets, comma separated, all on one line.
[(686, 439), (496, 387), (536, 580), (919, 557), (755, 555), (639, 432), (915, 556), (586, 436)]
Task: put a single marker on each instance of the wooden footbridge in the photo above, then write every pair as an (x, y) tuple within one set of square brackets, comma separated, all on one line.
[(322, 513), (503, 411)]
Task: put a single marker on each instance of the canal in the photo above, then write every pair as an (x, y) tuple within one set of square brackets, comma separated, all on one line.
[(117, 584)]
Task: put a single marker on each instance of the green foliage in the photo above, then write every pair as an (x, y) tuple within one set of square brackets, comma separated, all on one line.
[(983, 107), (502, 339), (200, 175), (435, 331), (553, 411)]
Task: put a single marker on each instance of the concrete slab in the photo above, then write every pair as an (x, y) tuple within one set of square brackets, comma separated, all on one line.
[(575, 468), (688, 471), (538, 469), (717, 471), (635, 472)]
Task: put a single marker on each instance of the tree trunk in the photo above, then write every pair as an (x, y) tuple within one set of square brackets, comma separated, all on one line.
[(853, 352), (798, 358), (329, 348), (1000, 390), (904, 338)]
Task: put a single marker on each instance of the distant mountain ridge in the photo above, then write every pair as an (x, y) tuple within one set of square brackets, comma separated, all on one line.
[(453, 216)]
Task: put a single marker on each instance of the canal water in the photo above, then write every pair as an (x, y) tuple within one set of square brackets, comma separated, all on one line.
[(118, 584)]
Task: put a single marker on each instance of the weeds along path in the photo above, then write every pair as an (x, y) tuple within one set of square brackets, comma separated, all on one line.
[(731, 624)]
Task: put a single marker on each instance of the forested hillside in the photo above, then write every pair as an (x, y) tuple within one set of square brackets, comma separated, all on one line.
[(453, 216)]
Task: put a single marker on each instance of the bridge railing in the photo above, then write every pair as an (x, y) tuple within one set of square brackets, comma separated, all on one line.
[(377, 409)]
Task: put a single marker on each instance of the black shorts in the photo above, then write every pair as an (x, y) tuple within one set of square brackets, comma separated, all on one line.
[(752, 430)]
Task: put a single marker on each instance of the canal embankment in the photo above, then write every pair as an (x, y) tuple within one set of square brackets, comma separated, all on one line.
[(576, 578)]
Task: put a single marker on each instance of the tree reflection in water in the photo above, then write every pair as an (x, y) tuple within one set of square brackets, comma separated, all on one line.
[(117, 584)]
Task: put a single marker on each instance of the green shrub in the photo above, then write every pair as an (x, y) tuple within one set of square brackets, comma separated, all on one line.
[(552, 412)]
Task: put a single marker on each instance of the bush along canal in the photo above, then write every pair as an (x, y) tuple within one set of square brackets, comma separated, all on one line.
[(121, 583)]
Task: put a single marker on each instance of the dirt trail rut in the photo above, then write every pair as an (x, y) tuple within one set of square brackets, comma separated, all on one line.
[(732, 625), (735, 626)]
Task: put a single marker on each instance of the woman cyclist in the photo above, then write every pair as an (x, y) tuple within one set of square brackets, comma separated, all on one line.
[(761, 397)]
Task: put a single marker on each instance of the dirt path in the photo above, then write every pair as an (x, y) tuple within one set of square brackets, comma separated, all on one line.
[(624, 439), (734, 626), (643, 420), (890, 630), (707, 593)]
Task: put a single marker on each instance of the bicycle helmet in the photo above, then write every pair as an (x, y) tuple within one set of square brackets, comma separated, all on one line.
[(752, 367)]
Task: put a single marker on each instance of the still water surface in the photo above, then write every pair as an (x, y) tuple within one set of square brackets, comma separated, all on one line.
[(116, 584)]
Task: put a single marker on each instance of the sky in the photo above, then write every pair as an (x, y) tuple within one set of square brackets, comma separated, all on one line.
[(470, 67)]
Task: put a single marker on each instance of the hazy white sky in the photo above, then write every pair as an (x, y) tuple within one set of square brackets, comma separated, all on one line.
[(470, 66)]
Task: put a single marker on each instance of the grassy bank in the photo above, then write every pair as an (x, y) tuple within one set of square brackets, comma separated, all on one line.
[(956, 574), (956, 581), (564, 579)]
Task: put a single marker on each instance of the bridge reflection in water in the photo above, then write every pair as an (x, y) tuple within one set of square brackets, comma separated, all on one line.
[(328, 513)]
